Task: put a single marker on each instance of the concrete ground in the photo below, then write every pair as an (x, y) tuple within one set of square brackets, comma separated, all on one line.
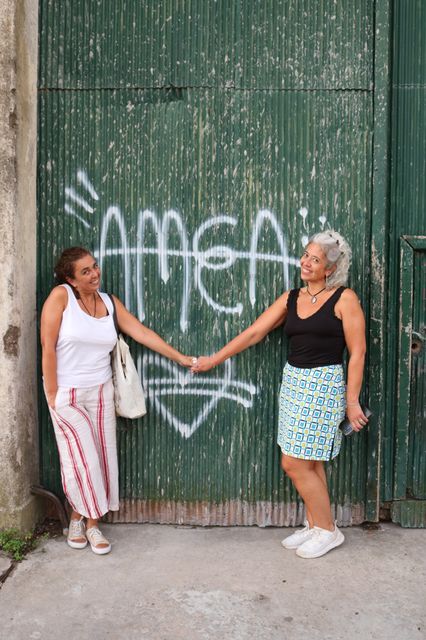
[(166, 582)]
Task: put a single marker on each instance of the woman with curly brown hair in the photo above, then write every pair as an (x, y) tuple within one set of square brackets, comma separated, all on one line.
[(77, 336)]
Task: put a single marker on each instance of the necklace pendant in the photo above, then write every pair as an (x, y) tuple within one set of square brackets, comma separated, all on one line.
[(313, 299)]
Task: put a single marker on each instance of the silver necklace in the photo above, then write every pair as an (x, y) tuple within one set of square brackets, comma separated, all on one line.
[(314, 296), (90, 314)]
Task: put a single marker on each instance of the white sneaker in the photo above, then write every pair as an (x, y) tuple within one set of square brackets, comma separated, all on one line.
[(96, 538), (320, 542), (298, 537), (76, 537)]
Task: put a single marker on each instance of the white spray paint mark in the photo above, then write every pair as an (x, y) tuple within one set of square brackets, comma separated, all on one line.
[(262, 216), (76, 198), (217, 252), (162, 235), (72, 195), (70, 211), (114, 213), (322, 220), (177, 382), (82, 178), (303, 212)]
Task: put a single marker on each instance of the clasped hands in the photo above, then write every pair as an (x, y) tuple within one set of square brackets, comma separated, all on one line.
[(197, 365), (203, 363)]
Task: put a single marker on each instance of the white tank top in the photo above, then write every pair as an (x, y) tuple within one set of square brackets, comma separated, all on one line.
[(84, 345)]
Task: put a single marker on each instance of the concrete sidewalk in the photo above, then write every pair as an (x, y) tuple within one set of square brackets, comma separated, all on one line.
[(167, 582)]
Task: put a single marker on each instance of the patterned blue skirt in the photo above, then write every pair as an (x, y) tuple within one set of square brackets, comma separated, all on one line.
[(311, 407)]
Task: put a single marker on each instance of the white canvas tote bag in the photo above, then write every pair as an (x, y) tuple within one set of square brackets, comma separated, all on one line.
[(129, 397)]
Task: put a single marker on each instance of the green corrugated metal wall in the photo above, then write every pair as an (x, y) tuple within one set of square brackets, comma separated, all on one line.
[(193, 146)]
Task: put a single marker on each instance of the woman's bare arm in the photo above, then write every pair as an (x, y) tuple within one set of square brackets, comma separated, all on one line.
[(51, 318), (269, 320), (350, 311), (131, 326)]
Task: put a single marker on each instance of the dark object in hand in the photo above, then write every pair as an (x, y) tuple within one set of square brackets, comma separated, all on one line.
[(346, 427)]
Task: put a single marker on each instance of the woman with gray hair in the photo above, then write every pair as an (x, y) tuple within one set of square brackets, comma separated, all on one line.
[(320, 320)]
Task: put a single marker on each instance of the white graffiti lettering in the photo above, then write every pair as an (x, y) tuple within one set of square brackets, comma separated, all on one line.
[(213, 259)]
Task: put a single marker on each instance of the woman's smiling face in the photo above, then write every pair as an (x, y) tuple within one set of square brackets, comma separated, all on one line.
[(86, 274), (313, 264)]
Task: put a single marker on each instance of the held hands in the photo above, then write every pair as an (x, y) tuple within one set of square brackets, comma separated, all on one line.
[(186, 361), (197, 365), (356, 416), (203, 363)]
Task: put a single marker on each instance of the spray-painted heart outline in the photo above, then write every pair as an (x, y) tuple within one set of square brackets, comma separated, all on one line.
[(183, 383)]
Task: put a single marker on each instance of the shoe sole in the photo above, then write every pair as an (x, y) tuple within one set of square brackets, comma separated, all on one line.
[(332, 545), (292, 546), (77, 545), (101, 551)]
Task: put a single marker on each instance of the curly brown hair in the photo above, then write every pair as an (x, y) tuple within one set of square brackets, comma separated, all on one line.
[(64, 268)]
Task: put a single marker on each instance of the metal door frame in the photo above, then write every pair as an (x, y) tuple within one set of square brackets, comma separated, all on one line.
[(409, 244)]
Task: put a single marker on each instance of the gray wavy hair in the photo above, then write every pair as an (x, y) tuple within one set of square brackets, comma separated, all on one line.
[(337, 252)]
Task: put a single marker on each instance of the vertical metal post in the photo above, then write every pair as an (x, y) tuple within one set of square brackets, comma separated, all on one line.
[(379, 224)]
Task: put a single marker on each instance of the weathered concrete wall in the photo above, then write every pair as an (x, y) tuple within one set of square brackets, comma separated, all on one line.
[(18, 134)]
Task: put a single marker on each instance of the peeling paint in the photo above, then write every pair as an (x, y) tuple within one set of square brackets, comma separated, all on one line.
[(11, 341)]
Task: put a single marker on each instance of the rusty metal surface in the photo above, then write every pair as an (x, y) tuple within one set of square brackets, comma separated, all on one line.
[(227, 514)]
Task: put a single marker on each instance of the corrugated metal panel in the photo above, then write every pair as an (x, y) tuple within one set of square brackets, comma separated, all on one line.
[(416, 480), (408, 191), (224, 165), (409, 513), (260, 44), (409, 60)]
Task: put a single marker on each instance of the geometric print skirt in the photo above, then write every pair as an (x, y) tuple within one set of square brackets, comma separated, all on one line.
[(311, 406)]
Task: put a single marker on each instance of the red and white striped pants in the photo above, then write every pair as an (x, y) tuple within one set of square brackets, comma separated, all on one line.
[(85, 430)]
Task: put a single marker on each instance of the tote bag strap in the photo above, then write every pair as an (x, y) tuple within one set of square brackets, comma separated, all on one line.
[(114, 314)]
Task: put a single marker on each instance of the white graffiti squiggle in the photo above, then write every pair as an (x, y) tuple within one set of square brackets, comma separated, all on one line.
[(176, 382)]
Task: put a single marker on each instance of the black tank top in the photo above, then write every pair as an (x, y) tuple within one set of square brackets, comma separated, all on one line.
[(316, 341)]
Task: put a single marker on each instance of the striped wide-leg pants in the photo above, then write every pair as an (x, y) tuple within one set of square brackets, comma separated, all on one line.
[(85, 430)]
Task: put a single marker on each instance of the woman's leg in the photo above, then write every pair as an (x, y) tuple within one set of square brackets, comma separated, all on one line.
[(310, 481), (81, 476), (99, 404), (320, 471), (101, 410)]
